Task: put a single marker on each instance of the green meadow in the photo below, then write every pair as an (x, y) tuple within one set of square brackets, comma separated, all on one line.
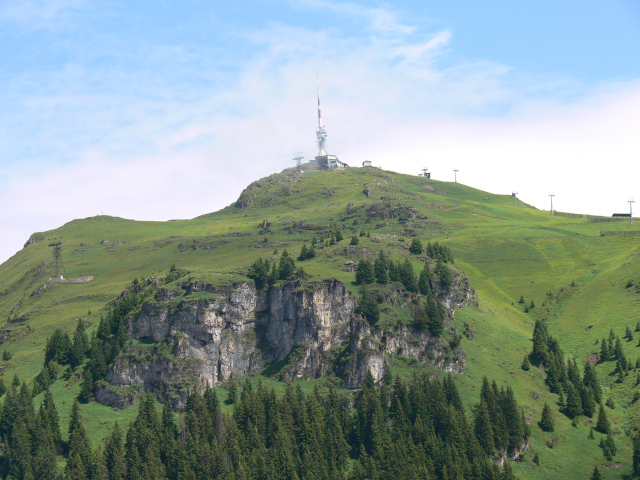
[(581, 283)]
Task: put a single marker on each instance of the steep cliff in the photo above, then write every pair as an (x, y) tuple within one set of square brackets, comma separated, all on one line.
[(203, 334)]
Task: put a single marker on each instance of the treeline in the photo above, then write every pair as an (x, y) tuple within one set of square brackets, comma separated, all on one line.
[(266, 273), (100, 350), (398, 430), (384, 270), (578, 394), (428, 313)]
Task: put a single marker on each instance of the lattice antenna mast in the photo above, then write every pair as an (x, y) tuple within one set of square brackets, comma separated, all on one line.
[(321, 133), (298, 157), (57, 267), (515, 198), (551, 195), (455, 177), (631, 201)]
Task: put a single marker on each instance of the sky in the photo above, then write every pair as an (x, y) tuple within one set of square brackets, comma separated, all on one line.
[(156, 110)]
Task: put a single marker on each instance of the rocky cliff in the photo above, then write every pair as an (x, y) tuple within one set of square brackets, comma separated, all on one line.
[(203, 334)]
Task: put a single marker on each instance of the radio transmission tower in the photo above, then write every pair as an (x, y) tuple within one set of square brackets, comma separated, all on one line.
[(552, 195), (455, 175), (631, 202), (515, 198), (57, 268)]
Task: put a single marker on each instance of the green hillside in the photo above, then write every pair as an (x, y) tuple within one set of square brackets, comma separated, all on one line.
[(581, 283)]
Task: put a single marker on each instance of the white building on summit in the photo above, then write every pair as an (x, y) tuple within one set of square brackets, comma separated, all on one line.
[(323, 159)]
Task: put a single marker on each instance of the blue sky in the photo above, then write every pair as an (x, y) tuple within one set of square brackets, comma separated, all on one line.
[(158, 110)]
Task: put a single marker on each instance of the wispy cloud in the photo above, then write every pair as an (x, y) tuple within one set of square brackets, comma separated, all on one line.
[(39, 13), (174, 130)]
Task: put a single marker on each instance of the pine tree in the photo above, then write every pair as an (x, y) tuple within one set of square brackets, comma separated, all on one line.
[(596, 475), (354, 240), (394, 275), (416, 247), (408, 276), (526, 366), (311, 252), (604, 351), (574, 402), (636, 456), (286, 266), (546, 421), (365, 273), (87, 390), (114, 455), (603, 425), (303, 252), (424, 286), (444, 274), (79, 460), (483, 429), (380, 269)]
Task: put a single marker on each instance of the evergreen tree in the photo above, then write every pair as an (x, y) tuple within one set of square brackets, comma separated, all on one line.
[(596, 475), (604, 351), (636, 456), (603, 425), (365, 273), (311, 252), (526, 366), (354, 240), (338, 236), (286, 266), (408, 276), (394, 274), (574, 402), (380, 269), (80, 345), (114, 455), (79, 461), (416, 247), (368, 307), (424, 286), (444, 274), (259, 272), (546, 421), (483, 429), (88, 388), (303, 252)]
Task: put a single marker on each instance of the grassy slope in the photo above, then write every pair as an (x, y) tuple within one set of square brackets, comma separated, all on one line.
[(505, 251)]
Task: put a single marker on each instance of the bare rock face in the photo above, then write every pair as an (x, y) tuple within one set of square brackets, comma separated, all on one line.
[(225, 333)]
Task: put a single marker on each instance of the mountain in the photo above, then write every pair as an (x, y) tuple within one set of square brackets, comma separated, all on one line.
[(194, 307)]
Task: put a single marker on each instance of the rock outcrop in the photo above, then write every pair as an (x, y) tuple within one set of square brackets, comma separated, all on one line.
[(203, 334)]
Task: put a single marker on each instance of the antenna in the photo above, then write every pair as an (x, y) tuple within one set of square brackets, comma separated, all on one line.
[(57, 268), (552, 195), (515, 198), (631, 201), (321, 133), (298, 157), (425, 173), (456, 174)]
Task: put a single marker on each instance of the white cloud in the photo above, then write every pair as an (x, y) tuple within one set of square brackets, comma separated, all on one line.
[(136, 147)]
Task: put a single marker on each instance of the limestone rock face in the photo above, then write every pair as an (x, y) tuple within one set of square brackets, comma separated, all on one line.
[(215, 334)]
